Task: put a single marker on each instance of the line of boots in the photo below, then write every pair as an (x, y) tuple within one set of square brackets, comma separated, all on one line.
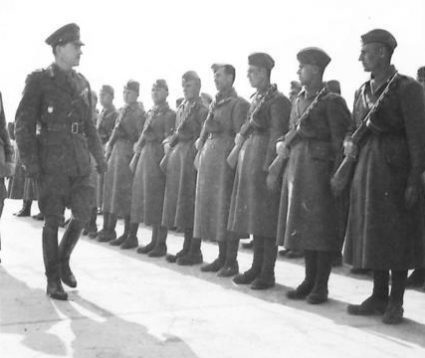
[(314, 288), (382, 302), (261, 274), (56, 257), (157, 246)]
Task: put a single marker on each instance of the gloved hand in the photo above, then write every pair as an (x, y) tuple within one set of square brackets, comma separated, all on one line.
[(282, 150), (350, 149)]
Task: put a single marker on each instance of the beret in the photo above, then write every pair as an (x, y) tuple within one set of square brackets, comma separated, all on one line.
[(261, 59), (65, 34), (381, 36), (313, 56)]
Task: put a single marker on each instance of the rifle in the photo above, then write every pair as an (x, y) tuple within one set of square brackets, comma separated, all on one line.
[(232, 158), (280, 161), (345, 171), (164, 161)]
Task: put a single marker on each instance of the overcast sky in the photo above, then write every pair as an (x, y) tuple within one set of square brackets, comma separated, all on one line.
[(146, 40)]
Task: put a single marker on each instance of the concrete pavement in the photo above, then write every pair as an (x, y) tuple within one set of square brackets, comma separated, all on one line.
[(129, 305)]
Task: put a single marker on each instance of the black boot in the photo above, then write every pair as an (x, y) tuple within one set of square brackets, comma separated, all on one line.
[(26, 209), (218, 263), (51, 264), (231, 267), (119, 240), (304, 289), (394, 310), (92, 226), (248, 245), (149, 247), (377, 302), (266, 279), (160, 248), (39, 217), (416, 278), (68, 242), (108, 232), (319, 294), (194, 256), (249, 276), (131, 241), (188, 235)]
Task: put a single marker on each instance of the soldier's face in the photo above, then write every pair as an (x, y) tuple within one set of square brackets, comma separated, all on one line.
[(69, 54), (130, 96), (191, 89), (105, 99), (371, 56), (159, 95), (306, 73), (222, 80), (256, 75)]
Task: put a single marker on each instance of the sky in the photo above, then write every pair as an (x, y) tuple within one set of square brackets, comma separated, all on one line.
[(146, 40)]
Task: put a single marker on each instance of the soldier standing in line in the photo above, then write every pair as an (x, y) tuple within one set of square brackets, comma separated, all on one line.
[(215, 177), (119, 178), (179, 197), (313, 147), (105, 125), (254, 208), (385, 230), (149, 181), (417, 277), (58, 99)]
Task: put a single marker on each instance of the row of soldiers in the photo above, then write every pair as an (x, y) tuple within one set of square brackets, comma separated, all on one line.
[(304, 174)]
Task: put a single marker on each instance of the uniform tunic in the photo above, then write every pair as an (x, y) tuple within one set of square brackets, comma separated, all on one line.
[(254, 208), (308, 210), (59, 102), (149, 180), (119, 178), (215, 177), (382, 232), (179, 197)]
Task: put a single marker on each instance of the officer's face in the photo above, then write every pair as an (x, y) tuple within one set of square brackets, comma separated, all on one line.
[(159, 94), (130, 96), (306, 73), (222, 80), (256, 75), (105, 99), (191, 89), (70, 54), (371, 56)]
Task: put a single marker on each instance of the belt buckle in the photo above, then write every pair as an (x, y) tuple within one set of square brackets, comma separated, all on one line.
[(74, 128)]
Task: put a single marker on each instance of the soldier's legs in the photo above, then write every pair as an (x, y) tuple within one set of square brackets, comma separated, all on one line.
[(160, 248), (304, 289), (319, 294), (193, 255), (119, 240), (257, 262), (219, 262), (266, 278), (188, 236), (149, 247), (131, 240), (394, 311), (231, 267)]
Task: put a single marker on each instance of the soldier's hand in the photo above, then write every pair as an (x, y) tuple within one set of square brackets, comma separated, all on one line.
[(411, 196), (239, 139), (198, 144), (102, 167), (167, 147), (282, 150), (350, 149)]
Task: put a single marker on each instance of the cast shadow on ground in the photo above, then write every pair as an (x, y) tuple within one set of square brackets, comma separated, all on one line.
[(28, 312)]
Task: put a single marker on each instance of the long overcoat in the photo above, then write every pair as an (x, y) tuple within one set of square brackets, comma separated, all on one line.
[(254, 208), (383, 232), (179, 197), (308, 210), (215, 177), (149, 181), (119, 178)]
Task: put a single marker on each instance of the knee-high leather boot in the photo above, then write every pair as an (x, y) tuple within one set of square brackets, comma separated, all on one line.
[(52, 263), (118, 241), (257, 261), (193, 256), (131, 241), (149, 247), (266, 279), (304, 289), (319, 294), (67, 245), (231, 267), (160, 248), (394, 311), (218, 263)]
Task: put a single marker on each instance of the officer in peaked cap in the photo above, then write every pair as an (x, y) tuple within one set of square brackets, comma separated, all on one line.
[(59, 155)]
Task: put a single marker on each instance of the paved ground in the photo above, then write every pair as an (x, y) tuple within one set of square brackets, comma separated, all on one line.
[(129, 305)]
